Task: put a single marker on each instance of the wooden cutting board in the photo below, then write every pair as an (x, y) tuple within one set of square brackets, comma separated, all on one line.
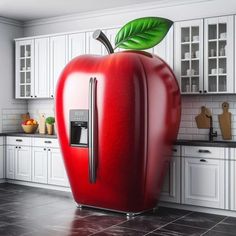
[(203, 122), (225, 122), (42, 125)]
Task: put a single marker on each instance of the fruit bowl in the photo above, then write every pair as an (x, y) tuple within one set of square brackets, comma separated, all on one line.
[(29, 129)]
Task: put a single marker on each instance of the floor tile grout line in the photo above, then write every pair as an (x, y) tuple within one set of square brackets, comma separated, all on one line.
[(109, 227), (170, 222), (215, 225)]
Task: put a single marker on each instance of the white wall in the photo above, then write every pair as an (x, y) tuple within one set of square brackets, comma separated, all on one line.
[(112, 18), (117, 17), (9, 107)]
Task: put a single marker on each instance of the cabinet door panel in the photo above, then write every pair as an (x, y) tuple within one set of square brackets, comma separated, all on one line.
[(58, 59), (219, 55), (165, 49), (171, 186), (24, 72), (23, 164), (76, 45), (42, 68), (39, 165), (203, 182), (188, 51), (2, 167), (93, 46), (10, 162), (56, 169)]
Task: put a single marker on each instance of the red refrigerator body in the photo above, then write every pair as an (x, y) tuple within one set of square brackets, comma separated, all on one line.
[(117, 117)]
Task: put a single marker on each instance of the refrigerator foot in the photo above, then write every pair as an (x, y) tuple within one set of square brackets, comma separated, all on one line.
[(130, 215)]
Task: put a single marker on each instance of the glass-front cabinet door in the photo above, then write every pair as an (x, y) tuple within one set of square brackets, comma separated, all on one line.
[(219, 49), (24, 69), (188, 62)]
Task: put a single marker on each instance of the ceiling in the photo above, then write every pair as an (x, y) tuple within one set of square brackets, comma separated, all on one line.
[(25, 10)]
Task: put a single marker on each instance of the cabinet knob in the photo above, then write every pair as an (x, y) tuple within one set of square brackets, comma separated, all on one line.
[(49, 150), (51, 96), (31, 96), (205, 91), (44, 149), (35, 96), (16, 147), (200, 91), (174, 150), (19, 147)]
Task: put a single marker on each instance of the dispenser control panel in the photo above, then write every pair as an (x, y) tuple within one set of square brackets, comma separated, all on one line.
[(79, 128)]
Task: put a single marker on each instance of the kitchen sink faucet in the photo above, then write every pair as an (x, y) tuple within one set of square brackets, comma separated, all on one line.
[(211, 133)]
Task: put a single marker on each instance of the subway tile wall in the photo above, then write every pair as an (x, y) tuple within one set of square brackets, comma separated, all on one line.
[(191, 107), (11, 118)]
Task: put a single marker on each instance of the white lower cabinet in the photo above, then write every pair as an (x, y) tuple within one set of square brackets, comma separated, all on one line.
[(39, 165), (23, 163), (2, 162), (18, 162), (232, 180), (171, 186), (203, 182), (56, 169), (10, 162)]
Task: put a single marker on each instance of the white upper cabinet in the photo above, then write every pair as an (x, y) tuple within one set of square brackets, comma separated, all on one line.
[(58, 59), (219, 55), (188, 61), (165, 48), (76, 45), (41, 68), (93, 46), (24, 69)]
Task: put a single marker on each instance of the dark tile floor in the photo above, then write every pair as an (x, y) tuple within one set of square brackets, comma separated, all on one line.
[(38, 212)]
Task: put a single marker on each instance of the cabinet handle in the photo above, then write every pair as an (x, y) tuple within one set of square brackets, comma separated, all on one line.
[(47, 141), (203, 160), (203, 151), (174, 150), (18, 140)]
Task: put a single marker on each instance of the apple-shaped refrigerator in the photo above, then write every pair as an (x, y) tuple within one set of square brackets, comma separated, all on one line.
[(117, 118)]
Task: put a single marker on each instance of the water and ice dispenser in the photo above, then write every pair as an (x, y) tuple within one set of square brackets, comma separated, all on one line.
[(79, 128)]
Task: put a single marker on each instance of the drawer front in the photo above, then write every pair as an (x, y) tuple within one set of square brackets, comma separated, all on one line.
[(46, 142), (206, 152), (176, 151), (22, 141)]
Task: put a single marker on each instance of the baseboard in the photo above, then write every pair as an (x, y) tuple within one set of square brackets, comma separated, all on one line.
[(46, 186), (2, 181), (198, 209)]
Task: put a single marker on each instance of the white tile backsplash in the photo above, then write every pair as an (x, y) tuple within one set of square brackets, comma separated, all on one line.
[(191, 107), (11, 118)]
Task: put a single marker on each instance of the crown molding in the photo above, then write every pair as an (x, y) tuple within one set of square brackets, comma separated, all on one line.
[(113, 11), (9, 21)]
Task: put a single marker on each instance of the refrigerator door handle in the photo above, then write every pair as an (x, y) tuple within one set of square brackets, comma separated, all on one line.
[(92, 129)]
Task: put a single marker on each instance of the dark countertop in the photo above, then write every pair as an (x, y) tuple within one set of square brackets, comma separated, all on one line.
[(206, 143), (21, 134)]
